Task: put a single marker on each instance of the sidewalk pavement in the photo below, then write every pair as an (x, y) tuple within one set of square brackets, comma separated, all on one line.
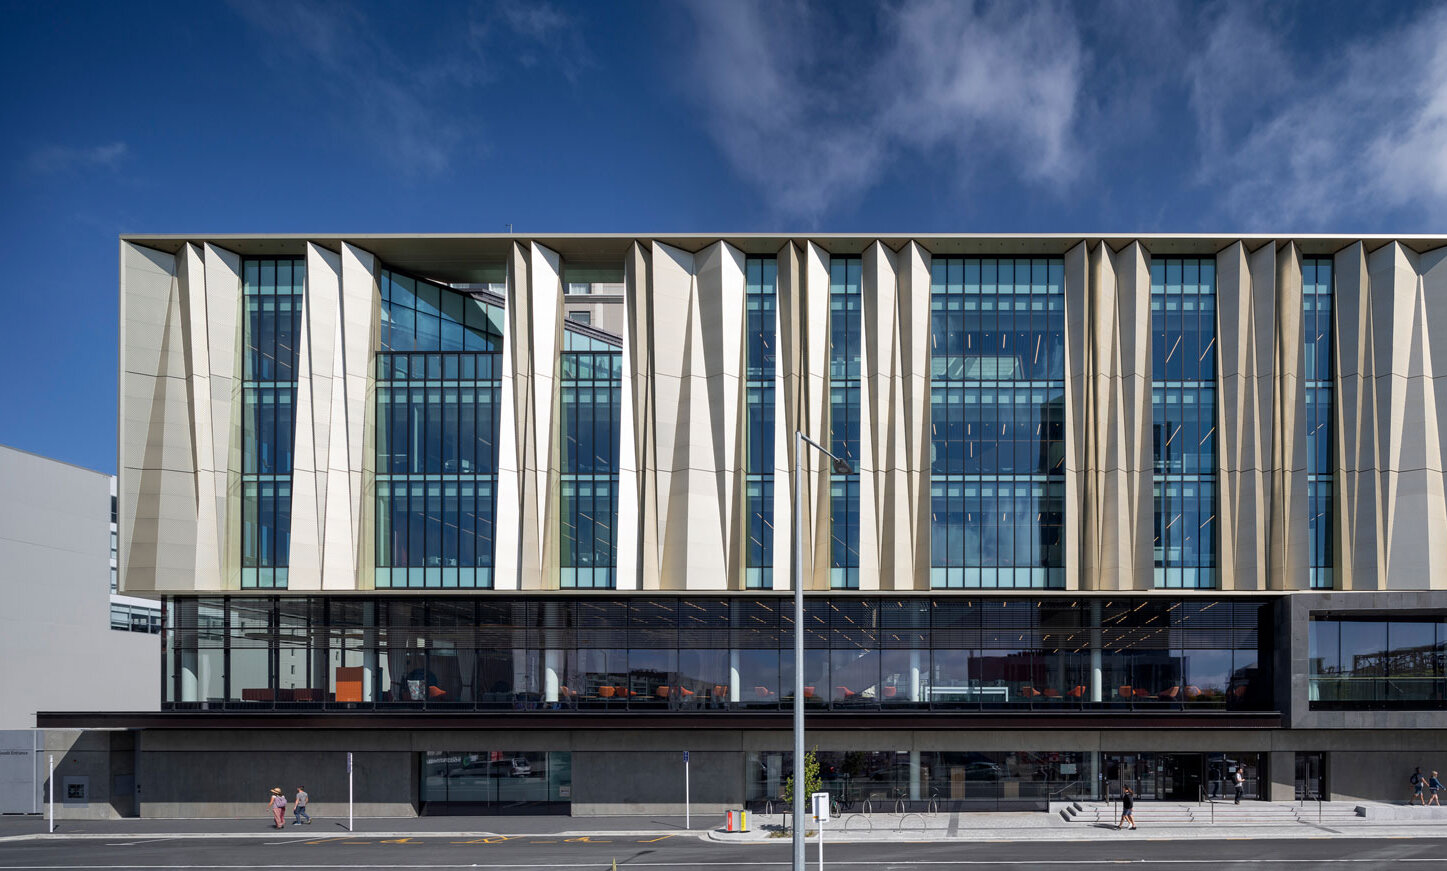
[(851, 828), (30, 827)]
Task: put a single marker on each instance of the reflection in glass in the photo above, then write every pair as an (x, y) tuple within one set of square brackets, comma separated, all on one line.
[(1183, 403), (997, 422)]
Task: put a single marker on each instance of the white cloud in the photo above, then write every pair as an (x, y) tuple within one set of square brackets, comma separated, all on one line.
[(1332, 139), (64, 158), (813, 109)]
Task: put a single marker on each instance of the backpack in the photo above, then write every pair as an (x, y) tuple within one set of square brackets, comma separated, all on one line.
[(1415, 779)]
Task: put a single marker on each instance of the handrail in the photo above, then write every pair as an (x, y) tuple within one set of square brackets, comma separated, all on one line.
[(1062, 789)]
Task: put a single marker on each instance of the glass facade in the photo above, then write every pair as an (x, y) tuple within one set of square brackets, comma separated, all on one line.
[(591, 409), (761, 289), (493, 781), (997, 423), (846, 341), (439, 370), (1316, 297), (927, 780), (1183, 408), (272, 297), (1365, 663), (700, 653)]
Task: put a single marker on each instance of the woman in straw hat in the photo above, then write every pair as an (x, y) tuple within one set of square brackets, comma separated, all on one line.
[(277, 803)]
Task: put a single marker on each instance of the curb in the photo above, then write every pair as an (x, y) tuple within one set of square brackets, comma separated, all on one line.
[(183, 836)]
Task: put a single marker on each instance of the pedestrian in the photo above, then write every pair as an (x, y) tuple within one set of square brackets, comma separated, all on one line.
[(277, 804), (1240, 781), (1436, 786), (1419, 786), (299, 814), (1127, 809)]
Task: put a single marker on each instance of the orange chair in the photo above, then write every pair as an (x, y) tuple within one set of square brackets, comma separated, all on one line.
[(720, 693), (1192, 692), (1076, 692), (663, 692), (1051, 693), (1029, 692), (808, 692), (889, 692), (606, 692), (1170, 694), (685, 692), (846, 693), (1126, 693), (435, 692), (763, 692)]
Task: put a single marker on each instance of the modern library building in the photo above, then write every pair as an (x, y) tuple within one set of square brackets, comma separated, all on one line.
[(517, 520)]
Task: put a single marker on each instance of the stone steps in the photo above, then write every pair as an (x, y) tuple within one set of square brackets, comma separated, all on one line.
[(1220, 813)]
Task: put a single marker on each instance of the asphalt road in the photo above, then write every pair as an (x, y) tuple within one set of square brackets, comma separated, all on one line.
[(689, 852)]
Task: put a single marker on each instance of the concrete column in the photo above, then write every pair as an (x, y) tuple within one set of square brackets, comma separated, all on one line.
[(914, 682), (369, 674), (734, 676), (914, 776), (1092, 774), (369, 655), (1097, 675), (552, 666), (1281, 769), (188, 675)]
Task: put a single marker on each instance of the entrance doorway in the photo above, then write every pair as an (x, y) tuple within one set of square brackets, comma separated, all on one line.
[(1180, 776)]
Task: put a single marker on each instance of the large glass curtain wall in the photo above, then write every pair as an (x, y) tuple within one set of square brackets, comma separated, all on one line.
[(761, 292), (1363, 663), (1183, 408), (592, 408), (438, 383), (997, 422), (700, 654), (272, 295), (1316, 299), (846, 340)]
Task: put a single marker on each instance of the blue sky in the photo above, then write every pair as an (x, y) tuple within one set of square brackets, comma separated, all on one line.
[(672, 117)]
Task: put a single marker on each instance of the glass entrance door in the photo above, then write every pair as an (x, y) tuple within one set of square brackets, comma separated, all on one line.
[(1179, 776)]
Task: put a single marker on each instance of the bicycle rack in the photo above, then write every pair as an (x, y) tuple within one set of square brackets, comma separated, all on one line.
[(924, 824), (899, 805), (934, 806), (866, 808), (850, 821)]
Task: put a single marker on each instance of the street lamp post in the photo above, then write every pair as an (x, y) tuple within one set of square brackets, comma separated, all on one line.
[(841, 467)]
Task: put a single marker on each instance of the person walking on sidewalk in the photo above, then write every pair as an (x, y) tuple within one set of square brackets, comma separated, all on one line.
[(1240, 780), (299, 814), (1436, 786), (1419, 787), (1127, 809), (277, 804)]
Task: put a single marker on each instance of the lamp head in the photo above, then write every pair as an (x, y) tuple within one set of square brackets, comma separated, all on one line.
[(841, 467)]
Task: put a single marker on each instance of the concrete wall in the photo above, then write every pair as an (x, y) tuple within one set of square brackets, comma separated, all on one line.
[(226, 774), (58, 649)]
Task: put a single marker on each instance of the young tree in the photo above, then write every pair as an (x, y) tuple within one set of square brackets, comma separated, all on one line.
[(812, 780)]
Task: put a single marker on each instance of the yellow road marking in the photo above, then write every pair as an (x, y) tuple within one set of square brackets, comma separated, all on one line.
[(496, 840), (655, 840), (399, 841), (584, 840)]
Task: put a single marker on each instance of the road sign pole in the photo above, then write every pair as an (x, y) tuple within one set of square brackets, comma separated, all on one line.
[(52, 793), (349, 790), (687, 807)]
